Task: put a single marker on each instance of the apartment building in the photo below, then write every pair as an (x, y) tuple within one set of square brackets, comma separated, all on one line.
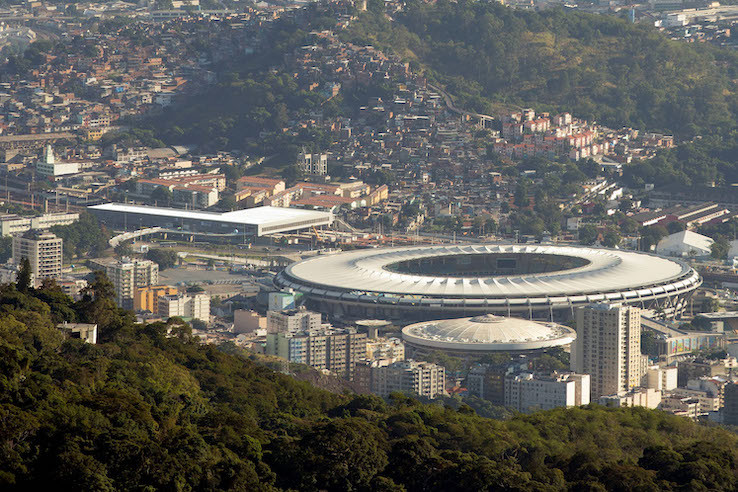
[(315, 164), (528, 392), (127, 275), (608, 348), (147, 298), (292, 321), (195, 306), (729, 412), (409, 377), (385, 348), (43, 250), (325, 349)]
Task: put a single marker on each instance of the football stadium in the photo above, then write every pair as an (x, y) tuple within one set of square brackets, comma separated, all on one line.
[(537, 282)]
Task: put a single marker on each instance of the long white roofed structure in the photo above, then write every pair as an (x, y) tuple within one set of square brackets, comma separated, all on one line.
[(538, 281), (256, 221)]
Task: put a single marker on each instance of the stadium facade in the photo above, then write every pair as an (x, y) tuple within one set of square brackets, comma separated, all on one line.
[(537, 282)]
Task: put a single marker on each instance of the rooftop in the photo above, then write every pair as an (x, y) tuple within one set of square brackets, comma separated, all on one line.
[(254, 216)]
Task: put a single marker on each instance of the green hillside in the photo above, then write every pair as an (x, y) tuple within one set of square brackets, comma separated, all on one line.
[(595, 66), (150, 408)]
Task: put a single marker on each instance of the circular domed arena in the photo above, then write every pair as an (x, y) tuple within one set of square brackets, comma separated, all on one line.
[(485, 334), (535, 282)]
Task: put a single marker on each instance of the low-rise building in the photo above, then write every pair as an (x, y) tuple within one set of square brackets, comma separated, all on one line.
[(637, 397), (196, 306), (50, 168), (527, 392), (247, 321), (14, 224), (147, 298), (280, 301), (683, 406), (708, 403), (83, 331)]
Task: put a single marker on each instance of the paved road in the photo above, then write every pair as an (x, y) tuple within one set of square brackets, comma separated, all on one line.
[(451, 107)]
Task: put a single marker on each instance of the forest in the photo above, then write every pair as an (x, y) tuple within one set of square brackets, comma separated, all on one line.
[(151, 408)]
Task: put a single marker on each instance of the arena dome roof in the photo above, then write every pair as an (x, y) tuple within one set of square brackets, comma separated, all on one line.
[(487, 333)]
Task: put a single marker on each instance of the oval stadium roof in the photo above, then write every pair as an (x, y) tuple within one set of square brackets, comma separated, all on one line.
[(605, 270)]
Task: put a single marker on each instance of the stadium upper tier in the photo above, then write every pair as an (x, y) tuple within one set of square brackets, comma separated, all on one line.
[(424, 281)]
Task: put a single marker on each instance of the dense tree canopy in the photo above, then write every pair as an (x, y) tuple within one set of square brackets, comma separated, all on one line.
[(165, 258), (86, 237)]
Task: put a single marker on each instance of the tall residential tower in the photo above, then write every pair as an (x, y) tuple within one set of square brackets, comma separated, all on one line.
[(43, 250), (608, 348)]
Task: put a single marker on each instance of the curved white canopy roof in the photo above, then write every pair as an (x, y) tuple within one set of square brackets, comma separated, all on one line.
[(365, 271)]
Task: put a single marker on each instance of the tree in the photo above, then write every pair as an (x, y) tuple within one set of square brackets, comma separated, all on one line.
[(23, 279), (610, 238), (165, 258), (651, 235), (162, 196), (346, 454), (521, 195), (675, 226), (86, 237), (588, 234), (719, 249), (123, 249), (98, 306)]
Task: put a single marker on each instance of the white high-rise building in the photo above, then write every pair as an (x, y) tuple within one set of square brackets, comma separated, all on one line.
[(127, 275), (43, 250), (292, 321), (316, 164), (608, 348)]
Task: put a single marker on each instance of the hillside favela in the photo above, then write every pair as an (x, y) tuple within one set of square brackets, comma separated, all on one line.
[(368, 245)]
